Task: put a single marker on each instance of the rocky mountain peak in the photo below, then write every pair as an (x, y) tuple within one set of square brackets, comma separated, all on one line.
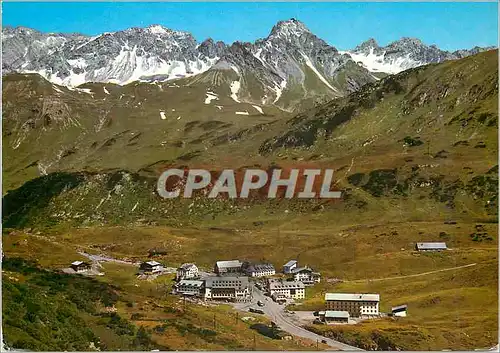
[(407, 42), (403, 54), (155, 31), (211, 48), (158, 29), (19, 29), (288, 29), (370, 43)]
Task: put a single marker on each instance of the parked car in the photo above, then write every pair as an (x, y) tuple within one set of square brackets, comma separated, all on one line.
[(256, 311), (323, 341), (316, 313), (259, 303)]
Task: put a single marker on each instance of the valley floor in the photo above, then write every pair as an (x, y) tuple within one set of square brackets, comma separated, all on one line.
[(452, 296)]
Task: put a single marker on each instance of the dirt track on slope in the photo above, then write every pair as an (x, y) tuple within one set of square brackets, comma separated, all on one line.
[(409, 276)]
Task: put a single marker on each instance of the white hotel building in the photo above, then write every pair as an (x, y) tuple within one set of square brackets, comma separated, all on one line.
[(286, 289), (356, 305), (259, 270)]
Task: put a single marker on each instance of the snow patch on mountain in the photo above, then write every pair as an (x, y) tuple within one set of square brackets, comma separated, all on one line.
[(312, 67), (210, 97), (57, 89), (279, 90), (257, 55), (235, 69), (235, 88), (78, 63), (157, 29), (379, 63), (259, 109), (91, 39)]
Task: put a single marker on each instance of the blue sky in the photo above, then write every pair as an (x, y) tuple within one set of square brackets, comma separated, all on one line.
[(448, 25)]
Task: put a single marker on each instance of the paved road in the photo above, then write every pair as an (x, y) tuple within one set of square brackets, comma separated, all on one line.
[(276, 313)]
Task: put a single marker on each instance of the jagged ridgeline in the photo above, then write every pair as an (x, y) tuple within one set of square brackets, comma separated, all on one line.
[(290, 68), (426, 138)]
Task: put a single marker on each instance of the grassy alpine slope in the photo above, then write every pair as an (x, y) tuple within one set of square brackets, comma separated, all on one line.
[(425, 139), (411, 152)]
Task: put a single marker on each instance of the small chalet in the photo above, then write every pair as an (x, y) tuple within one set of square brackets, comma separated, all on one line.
[(80, 266), (187, 271), (306, 275), (151, 267), (290, 266), (400, 310), (430, 246), (334, 316)]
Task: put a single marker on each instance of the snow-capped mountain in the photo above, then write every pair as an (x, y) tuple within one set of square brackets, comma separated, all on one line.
[(294, 52), (119, 57), (288, 67), (403, 54), (291, 45), (291, 64)]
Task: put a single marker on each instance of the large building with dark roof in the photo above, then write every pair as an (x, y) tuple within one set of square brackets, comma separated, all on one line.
[(233, 288), (190, 287), (258, 270)]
